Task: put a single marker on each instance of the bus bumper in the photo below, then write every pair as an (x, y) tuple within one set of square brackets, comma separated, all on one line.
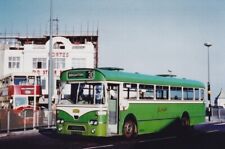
[(82, 129)]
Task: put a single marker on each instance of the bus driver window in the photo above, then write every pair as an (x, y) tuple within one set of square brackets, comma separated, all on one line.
[(98, 94)]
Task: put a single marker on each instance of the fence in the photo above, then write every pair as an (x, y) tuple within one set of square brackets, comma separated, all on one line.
[(218, 114), (11, 120)]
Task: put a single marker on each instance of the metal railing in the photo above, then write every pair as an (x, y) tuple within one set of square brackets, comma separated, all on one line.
[(218, 114), (11, 120)]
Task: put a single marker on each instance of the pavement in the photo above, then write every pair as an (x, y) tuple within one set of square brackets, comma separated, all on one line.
[(15, 133)]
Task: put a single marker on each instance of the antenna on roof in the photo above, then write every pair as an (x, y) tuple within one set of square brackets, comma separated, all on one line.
[(166, 75), (97, 28), (65, 29), (57, 25), (27, 30), (111, 68), (87, 28), (81, 29), (169, 74), (40, 30), (46, 29), (73, 30)]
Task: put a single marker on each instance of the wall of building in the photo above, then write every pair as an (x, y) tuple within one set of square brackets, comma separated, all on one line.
[(1, 62), (34, 58)]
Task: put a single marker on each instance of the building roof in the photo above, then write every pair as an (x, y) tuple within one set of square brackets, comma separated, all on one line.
[(73, 39)]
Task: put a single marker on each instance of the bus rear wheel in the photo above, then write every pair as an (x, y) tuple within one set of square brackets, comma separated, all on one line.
[(129, 128), (185, 121)]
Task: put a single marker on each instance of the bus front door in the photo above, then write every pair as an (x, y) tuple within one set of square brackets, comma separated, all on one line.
[(113, 96)]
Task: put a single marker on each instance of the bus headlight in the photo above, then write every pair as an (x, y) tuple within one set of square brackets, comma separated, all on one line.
[(93, 122), (60, 121)]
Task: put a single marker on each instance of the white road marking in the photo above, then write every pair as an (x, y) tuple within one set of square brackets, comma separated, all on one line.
[(219, 124), (103, 146), (158, 139), (212, 131)]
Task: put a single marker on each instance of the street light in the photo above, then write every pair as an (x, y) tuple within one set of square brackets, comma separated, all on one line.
[(50, 67), (207, 44)]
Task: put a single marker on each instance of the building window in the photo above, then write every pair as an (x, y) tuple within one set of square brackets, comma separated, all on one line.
[(78, 63), (39, 63), (58, 45), (59, 63), (57, 84), (43, 84), (14, 62)]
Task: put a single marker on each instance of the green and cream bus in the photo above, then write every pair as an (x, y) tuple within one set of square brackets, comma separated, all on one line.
[(106, 102)]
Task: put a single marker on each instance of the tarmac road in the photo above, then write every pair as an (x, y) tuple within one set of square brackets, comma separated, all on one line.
[(205, 136)]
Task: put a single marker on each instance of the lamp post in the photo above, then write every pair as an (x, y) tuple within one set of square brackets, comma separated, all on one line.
[(208, 84), (50, 68)]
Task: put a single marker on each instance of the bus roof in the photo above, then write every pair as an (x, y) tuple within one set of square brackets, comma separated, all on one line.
[(18, 74), (121, 76)]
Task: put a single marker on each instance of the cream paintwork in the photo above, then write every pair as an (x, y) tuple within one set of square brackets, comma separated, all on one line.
[(81, 108)]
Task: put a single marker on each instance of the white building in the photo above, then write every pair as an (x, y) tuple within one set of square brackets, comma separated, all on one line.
[(31, 55)]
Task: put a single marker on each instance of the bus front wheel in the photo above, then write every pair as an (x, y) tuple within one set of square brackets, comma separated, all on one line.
[(129, 128)]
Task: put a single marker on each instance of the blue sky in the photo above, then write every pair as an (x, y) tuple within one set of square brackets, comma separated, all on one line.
[(146, 36)]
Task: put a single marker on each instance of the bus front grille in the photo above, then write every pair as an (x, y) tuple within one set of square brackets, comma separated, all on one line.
[(76, 128)]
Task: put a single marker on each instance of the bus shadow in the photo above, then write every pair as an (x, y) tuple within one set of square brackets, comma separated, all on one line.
[(52, 133), (174, 129)]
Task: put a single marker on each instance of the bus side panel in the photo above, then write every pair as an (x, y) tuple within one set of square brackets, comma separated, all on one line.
[(154, 117)]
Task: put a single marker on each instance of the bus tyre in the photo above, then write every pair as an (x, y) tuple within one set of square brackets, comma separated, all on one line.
[(186, 128), (129, 129), (185, 121)]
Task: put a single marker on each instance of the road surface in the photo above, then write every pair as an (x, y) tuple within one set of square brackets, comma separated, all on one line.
[(205, 136)]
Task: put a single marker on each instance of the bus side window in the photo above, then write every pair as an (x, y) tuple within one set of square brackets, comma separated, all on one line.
[(99, 93), (176, 93), (202, 94), (130, 91), (20, 80), (31, 80), (162, 92), (73, 95), (188, 93), (112, 91), (196, 94), (146, 91)]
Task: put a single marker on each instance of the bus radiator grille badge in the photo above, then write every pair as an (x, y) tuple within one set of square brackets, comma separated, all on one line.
[(76, 117)]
